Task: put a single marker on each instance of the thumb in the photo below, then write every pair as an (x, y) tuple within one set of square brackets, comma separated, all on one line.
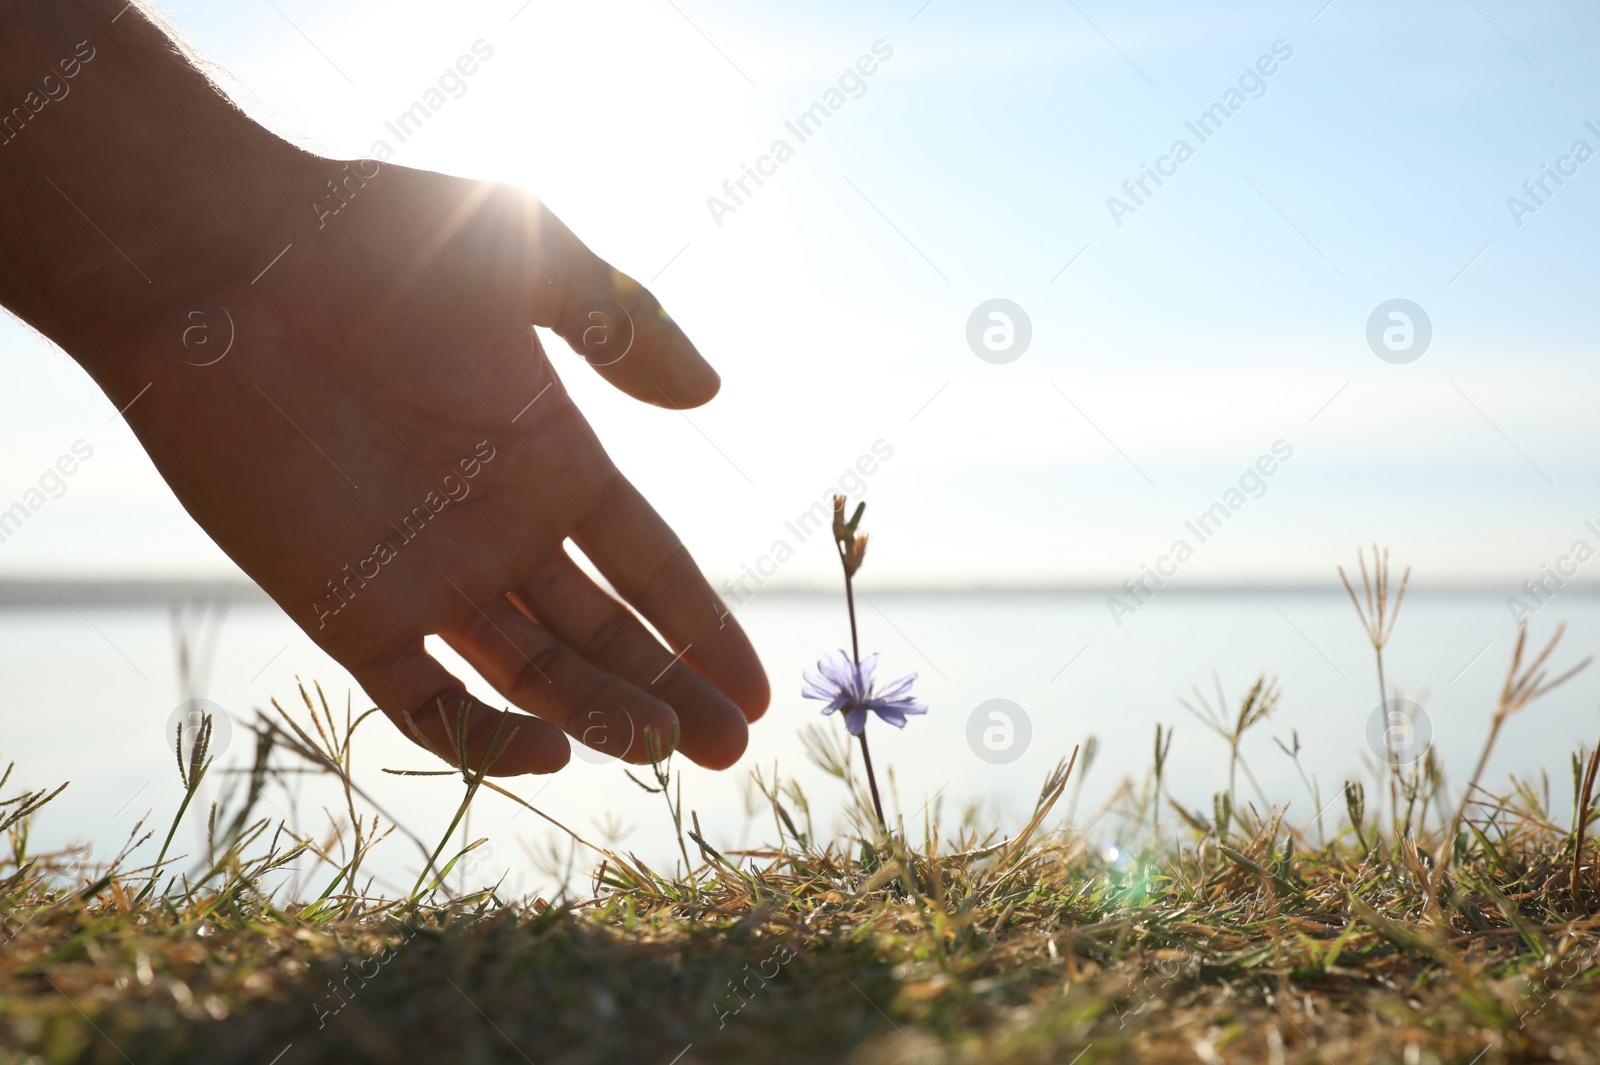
[(614, 322), (626, 336), (606, 316)]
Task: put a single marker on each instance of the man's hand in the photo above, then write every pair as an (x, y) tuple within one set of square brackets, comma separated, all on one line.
[(384, 446), (388, 451)]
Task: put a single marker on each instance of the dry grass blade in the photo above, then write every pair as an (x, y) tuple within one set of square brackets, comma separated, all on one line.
[(1522, 685), (1049, 795), (1377, 616), (1585, 816)]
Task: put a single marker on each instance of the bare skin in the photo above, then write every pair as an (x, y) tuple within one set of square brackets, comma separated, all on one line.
[(385, 447)]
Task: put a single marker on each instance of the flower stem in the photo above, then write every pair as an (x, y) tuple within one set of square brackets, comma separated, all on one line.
[(866, 755), (850, 604), (872, 781)]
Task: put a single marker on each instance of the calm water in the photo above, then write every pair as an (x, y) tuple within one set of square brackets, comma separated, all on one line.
[(91, 694)]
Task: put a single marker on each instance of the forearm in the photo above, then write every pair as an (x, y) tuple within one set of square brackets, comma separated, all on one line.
[(126, 177)]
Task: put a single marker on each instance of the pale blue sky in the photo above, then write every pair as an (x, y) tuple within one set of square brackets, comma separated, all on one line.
[(1174, 350)]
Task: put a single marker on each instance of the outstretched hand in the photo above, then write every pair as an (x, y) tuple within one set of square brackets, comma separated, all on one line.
[(388, 451)]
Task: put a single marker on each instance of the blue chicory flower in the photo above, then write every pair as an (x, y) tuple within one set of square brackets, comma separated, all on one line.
[(843, 685)]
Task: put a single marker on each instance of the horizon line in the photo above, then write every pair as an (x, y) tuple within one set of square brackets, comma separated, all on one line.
[(26, 592)]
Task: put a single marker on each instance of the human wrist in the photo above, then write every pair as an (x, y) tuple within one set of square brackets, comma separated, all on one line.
[(133, 183)]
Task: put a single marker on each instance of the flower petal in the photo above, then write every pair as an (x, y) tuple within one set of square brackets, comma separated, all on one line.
[(840, 670), (864, 671), (817, 687), (897, 688), (901, 707), (855, 721), (891, 715)]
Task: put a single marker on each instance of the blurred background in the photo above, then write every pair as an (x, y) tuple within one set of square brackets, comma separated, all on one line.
[(1371, 259)]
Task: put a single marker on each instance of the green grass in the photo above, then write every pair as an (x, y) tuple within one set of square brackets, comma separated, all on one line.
[(1415, 930)]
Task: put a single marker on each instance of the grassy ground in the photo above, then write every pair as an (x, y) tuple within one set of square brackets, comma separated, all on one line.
[(1418, 930)]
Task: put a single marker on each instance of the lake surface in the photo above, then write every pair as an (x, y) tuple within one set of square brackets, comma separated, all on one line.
[(91, 691)]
